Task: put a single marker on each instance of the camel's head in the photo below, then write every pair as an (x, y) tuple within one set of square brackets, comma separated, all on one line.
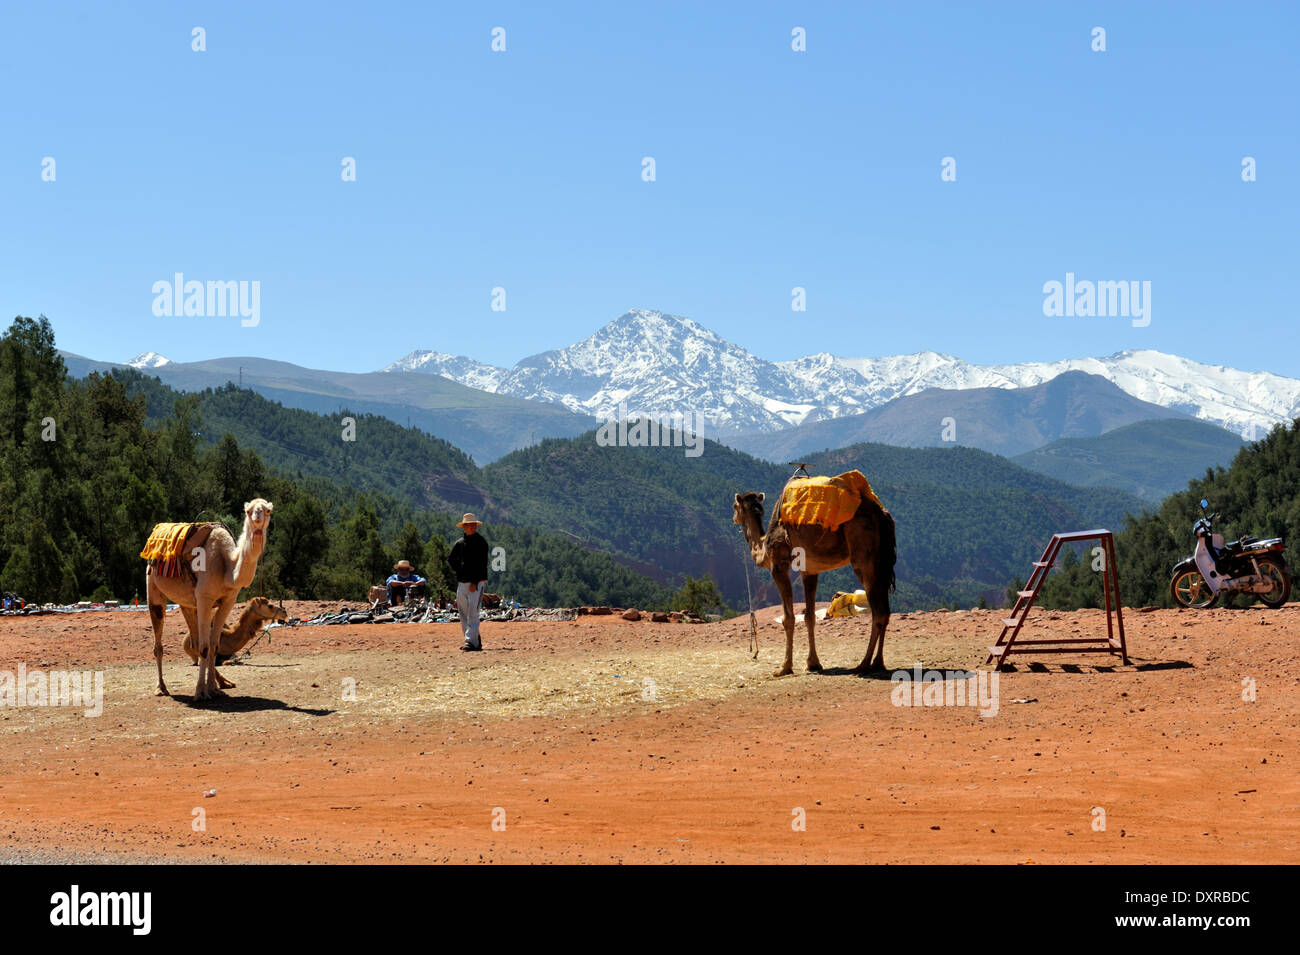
[(748, 504), (257, 514), (262, 608)]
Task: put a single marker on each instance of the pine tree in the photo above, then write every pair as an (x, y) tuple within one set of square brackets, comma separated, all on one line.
[(698, 596), (442, 580), (299, 543), (364, 545), (36, 569), (410, 547)]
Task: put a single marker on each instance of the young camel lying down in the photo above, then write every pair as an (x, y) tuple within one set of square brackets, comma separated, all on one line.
[(234, 639)]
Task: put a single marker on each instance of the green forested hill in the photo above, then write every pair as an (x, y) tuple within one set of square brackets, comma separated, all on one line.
[(1151, 459), (967, 520), (655, 506), (1258, 494), (485, 425), (970, 469), (84, 475), (587, 523), (382, 456)]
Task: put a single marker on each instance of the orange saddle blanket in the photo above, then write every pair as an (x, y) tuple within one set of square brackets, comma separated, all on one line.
[(826, 501)]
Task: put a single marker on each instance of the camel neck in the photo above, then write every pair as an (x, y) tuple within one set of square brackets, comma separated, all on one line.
[(248, 551), (754, 537)]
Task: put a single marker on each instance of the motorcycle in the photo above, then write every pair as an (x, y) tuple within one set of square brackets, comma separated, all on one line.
[(1218, 569)]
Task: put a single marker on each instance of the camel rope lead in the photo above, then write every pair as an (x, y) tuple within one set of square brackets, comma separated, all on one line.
[(800, 468), (753, 620), (266, 632)]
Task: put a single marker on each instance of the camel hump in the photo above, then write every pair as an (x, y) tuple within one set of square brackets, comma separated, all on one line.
[(826, 501), (199, 534)]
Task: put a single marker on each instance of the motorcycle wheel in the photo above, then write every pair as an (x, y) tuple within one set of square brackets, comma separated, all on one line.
[(1189, 589), (1281, 591)]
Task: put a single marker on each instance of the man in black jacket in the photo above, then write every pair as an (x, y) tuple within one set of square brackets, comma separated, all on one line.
[(469, 559)]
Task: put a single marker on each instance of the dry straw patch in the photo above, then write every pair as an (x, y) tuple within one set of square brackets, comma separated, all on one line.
[(551, 685), (280, 686)]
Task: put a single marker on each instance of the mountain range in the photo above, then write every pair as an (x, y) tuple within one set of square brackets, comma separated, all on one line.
[(654, 362), (968, 520), (1005, 421), (483, 424), (648, 361), (1151, 459)]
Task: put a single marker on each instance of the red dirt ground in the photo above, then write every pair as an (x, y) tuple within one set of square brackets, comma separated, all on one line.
[(555, 732)]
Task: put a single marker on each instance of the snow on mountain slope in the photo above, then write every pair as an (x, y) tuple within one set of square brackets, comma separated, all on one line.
[(458, 368), (1236, 400), (149, 359), (659, 363)]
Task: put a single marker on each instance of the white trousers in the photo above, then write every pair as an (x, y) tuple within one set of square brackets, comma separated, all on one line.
[(467, 603)]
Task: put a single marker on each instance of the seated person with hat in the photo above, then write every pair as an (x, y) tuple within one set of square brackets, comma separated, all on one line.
[(406, 582)]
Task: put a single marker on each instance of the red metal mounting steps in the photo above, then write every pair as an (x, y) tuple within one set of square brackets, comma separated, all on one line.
[(1007, 640)]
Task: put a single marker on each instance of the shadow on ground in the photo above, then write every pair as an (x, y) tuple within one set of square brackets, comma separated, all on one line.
[(247, 704), (1096, 668)]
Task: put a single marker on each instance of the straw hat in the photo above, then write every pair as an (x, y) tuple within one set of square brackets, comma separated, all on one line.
[(403, 565), (469, 519)]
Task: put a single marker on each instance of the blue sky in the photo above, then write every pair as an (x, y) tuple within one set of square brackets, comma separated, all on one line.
[(774, 168)]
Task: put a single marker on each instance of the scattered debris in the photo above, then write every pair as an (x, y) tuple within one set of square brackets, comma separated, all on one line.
[(426, 611), (16, 607)]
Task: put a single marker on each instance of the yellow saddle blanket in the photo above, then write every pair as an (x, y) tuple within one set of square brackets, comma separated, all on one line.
[(826, 501), (166, 541), (165, 548)]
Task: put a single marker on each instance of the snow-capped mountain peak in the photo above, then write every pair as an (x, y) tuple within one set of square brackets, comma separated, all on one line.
[(653, 362), (149, 359), (656, 363), (467, 371)]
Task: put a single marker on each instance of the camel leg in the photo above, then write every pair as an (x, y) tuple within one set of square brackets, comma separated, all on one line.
[(192, 624), (192, 621), (207, 652), (879, 621), (156, 619), (878, 598), (220, 614), (222, 682), (782, 580), (810, 620)]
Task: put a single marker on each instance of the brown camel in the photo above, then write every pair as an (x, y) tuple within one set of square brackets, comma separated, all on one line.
[(221, 568), (234, 639), (865, 542)]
